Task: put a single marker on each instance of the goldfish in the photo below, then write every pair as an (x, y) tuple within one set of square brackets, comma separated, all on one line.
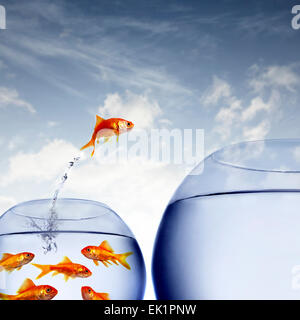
[(66, 267), (105, 254), (107, 129), (11, 262), (29, 291), (89, 294)]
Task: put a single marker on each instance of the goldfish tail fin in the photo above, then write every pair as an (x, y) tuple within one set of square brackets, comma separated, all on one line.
[(91, 143), (122, 259), (45, 270)]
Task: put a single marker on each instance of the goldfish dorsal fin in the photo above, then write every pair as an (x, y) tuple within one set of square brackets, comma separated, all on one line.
[(106, 246), (27, 284), (98, 120), (65, 260), (5, 256)]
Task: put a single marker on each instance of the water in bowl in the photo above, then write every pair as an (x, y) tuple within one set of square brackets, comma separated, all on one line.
[(117, 281), (231, 246)]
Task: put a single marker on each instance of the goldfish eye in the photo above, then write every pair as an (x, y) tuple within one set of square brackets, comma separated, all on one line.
[(89, 291), (86, 271), (88, 250), (28, 255), (48, 290), (128, 124)]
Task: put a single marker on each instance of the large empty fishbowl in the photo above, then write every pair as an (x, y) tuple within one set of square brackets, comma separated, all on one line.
[(232, 229), (82, 250)]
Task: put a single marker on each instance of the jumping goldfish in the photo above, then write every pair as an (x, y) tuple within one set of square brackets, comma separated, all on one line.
[(89, 294), (104, 253), (66, 267), (29, 291), (106, 129), (11, 262)]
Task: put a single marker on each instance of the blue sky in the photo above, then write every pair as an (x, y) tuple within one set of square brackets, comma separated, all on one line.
[(229, 67)]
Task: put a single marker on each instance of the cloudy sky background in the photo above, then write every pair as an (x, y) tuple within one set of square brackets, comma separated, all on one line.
[(229, 67)]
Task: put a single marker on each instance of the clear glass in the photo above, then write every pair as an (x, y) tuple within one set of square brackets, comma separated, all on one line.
[(79, 223), (232, 229)]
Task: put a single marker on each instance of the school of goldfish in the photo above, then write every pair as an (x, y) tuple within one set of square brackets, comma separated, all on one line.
[(29, 291)]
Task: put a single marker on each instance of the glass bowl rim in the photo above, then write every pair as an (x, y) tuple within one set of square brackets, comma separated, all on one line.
[(14, 209), (214, 155)]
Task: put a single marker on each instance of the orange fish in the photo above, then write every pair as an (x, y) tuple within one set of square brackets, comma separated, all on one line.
[(11, 262), (104, 253), (106, 129), (89, 294), (66, 267), (29, 291)]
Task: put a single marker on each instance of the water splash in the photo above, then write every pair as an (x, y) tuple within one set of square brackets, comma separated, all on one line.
[(64, 178), (49, 226)]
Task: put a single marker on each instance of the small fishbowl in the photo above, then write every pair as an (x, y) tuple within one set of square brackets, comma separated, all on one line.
[(83, 252), (232, 229)]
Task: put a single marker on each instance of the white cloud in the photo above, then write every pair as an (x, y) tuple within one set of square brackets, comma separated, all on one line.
[(219, 89), (274, 77), (137, 108), (258, 132), (100, 60), (227, 117), (10, 97), (257, 104), (238, 119), (43, 165), (235, 117), (229, 114), (241, 119)]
